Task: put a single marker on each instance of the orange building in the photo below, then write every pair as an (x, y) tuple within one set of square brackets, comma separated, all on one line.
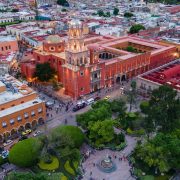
[(86, 65), (8, 44), (20, 107)]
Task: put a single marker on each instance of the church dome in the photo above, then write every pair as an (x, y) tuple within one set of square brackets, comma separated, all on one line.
[(53, 39), (75, 23)]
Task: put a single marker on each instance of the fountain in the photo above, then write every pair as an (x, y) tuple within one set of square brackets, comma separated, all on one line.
[(106, 165)]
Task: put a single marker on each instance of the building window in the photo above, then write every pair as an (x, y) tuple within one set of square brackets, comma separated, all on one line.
[(32, 113), (82, 73), (26, 115), (6, 48), (2, 109), (52, 49), (12, 121), (12, 105), (19, 118), (95, 75), (9, 47), (39, 110), (2, 48), (82, 89), (4, 124), (22, 102)]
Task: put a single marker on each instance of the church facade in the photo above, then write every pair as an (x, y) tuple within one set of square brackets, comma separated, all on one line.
[(87, 64)]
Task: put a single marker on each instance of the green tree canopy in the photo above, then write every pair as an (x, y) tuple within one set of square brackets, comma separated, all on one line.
[(136, 28), (128, 14), (162, 152), (74, 133), (44, 72), (116, 11), (163, 110), (63, 2), (101, 132), (25, 153)]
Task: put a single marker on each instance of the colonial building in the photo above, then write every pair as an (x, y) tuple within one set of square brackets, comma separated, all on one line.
[(20, 107), (87, 64)]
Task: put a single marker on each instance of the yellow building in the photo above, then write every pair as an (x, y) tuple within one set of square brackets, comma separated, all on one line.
[(20, 107)]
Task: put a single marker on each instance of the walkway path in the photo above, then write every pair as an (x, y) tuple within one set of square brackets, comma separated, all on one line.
[(122, 172)]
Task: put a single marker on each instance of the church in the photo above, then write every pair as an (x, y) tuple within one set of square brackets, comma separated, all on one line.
[(87, 64)]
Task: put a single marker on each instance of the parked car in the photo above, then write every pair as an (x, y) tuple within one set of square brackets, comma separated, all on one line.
[(97, 98), (8, 142), (28, 131), (37, 133), (5, 154), (90, 101), (23, 137), (49, 104), (107, 97), (79, 106)]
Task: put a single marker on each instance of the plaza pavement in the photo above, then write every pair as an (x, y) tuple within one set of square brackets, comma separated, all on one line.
[(123, 168)]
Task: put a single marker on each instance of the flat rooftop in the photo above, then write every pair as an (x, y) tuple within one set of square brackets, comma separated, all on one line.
[(14, 89), (20, 107)]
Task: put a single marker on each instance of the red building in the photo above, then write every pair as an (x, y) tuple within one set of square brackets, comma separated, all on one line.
[(85, 65)]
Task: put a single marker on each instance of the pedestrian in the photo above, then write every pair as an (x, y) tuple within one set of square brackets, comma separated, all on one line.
[(65, 121), (90, 173), (115, 156), (94, 164)]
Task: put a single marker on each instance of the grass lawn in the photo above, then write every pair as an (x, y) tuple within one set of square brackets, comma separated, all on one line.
[(52, 166)]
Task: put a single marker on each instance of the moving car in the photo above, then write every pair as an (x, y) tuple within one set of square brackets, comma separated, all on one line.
[(107, 97), (37, 133), (28, 131), (8, 142)]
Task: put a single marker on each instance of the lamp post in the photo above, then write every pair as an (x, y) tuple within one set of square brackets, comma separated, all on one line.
[(130, 91)]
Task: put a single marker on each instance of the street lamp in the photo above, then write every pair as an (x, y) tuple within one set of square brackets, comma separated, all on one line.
[(130, 91)]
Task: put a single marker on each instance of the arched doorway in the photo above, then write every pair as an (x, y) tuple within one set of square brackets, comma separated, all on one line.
[(27, 126), (14, 133), (118, 80), (40, 121), (95, 87), (6, 135), (100, 56), (21, 129), (34, 124), (1, 138), (123, 78)]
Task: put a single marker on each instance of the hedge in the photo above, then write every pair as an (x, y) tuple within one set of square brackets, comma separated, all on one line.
[(52, 166), (68, 168)]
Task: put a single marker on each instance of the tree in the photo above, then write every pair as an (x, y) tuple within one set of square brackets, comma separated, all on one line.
[(128, 14), (132, 93), (161, 152), (100, 12), (44, 72), (136, 28), (63, 3), (101, 113), (119, 106), (116, 11), (74, 133), (101, 132), (164, 109), (108, 14), (25, 153)]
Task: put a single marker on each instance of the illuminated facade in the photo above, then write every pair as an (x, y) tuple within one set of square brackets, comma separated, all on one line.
[(20, 107), (85, 65)]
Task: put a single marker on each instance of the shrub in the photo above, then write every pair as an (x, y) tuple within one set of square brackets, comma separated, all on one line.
[(121, 146), (49, 166), (75, 164), (68, 168), (1, 160), (73, 132), (25, 153), (144, 106)]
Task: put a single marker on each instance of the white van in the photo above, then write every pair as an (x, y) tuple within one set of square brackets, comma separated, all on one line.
[(90, 101)]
